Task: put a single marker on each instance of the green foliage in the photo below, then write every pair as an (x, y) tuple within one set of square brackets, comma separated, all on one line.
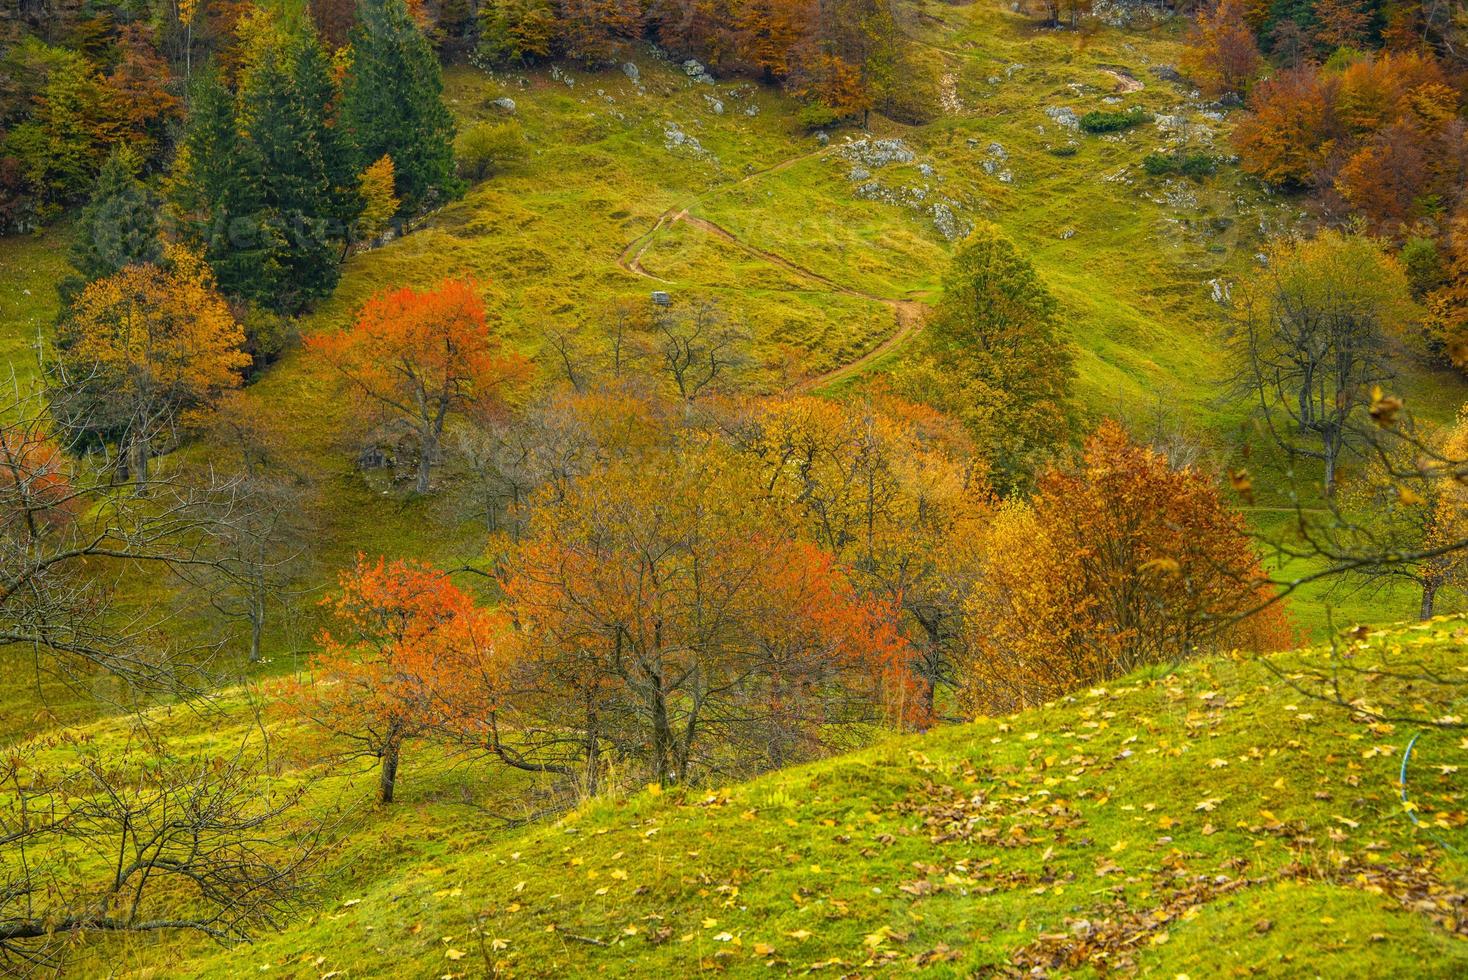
[(995, 358), (119, 225), (1181, 163), (487, 148), (1114, 122), (1424, 264), (61, 146), (392, 105), (263, 181), (817, 115), (516, 32), (268, 335)]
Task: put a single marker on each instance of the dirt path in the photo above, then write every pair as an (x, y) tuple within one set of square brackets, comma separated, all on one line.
[(909, 314)]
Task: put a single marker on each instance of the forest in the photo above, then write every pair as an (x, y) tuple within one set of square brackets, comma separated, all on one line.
[(555, 487)]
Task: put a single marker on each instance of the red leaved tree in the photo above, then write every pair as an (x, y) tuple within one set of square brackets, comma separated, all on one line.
[(410, 655), (419, 357)]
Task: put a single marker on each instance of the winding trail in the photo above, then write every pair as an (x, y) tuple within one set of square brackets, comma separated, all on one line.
[(909, 314)]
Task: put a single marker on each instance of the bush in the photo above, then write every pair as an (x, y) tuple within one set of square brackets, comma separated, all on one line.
[(1114, 122), (818, 115), (1180, 163), (1424, 265), (268, 335), (486, 149)]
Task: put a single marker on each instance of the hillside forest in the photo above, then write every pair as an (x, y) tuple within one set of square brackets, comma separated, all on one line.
[(836, 487)]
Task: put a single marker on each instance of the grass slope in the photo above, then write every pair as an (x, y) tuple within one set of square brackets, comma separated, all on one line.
[(664, 182), (1200, 821)]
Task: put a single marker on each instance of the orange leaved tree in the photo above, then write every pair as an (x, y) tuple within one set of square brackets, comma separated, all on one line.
[(421, 356), (1120, 562), (411, 654), (886, 487), (140, 347), (669, 616)]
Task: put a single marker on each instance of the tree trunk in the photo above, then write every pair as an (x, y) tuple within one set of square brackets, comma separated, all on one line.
[(662, 739), (139, 447), (389, 775), (1429, 599)]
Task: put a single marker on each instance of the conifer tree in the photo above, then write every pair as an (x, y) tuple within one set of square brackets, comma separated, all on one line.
[(392, 104), (119, 225), (293, 164)]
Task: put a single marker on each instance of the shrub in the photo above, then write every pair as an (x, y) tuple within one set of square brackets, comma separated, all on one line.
[(1114, 122), (1180, 163), (818, 115), (486, 149)]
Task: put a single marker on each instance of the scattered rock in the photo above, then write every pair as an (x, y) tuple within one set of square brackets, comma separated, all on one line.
[(1222, 290), (1167, 73), (715, 105), (631, 71), (878, 152), (1066, 234), (504, 105), (660, 298), (697, 71), (1064, 116), (675, 139)]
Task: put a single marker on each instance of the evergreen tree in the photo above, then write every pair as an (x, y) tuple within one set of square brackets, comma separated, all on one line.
[(392, 104), (996, 359), (119, 225), (294, 166), (209, 196)]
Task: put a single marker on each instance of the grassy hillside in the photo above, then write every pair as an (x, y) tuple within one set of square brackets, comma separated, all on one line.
[(1202, 821), (826, 245)]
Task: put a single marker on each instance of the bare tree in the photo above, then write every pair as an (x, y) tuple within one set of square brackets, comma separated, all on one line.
[(1313, 337), (68, 535), (142, 843), (698, 349)]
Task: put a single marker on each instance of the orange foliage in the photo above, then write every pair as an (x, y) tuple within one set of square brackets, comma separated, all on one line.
[(1222, 56), (1283, 139), (35, 483), (422, 356), (1386, 134), (668, 615), (410, 654), (146, 344), (1122, 562)]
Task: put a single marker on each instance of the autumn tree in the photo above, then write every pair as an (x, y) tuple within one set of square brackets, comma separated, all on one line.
[(594, 32), (1222, 56), (1408, 502), (1119, 562), (890, 489), (1312, 331), (1283, 137), (994, 358), (420, 357), (672, 619), (139, 348), (392, 105), (409, 654), (1447, 319), (140, 84), (517, 31)]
